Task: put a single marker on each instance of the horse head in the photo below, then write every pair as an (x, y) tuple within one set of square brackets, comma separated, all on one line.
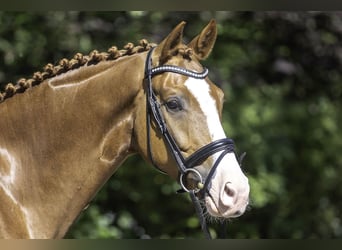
[(178, 123)]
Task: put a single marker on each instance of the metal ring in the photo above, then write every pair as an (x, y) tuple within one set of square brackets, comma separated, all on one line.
[(184, 173)]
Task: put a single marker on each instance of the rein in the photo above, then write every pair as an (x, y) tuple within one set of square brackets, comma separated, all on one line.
[(187, 165)]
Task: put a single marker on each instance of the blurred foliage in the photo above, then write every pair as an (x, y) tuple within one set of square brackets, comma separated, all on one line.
[(281, 73)]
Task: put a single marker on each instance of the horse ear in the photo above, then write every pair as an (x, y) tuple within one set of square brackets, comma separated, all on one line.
[(204, 42), (166, 48)]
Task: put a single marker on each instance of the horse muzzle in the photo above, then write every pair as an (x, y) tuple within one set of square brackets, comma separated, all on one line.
[(228, 194)]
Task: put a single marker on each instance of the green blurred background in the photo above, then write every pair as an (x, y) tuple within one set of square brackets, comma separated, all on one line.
[(281, 73)]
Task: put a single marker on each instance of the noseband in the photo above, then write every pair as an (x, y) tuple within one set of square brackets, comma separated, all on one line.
[(187, 165)]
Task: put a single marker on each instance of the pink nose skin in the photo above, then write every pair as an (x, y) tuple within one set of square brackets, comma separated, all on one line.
[(231, 202)]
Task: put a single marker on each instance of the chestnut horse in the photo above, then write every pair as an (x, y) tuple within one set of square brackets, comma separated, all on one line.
[(65, 131)]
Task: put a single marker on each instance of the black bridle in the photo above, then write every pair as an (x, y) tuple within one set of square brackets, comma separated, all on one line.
[(187, 165)]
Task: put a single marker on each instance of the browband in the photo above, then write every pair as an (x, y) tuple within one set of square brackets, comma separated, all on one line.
[(179, 70)]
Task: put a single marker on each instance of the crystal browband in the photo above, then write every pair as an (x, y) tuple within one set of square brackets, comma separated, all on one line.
[(179, 70)]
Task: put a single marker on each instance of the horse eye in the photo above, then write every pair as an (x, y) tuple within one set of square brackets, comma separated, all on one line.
[(174, 105)]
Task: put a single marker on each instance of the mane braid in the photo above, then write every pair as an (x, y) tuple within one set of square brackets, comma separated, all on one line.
[(77, 61)]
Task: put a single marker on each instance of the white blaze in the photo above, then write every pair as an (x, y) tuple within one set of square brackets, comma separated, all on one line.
[(199, 88), (229, 170)]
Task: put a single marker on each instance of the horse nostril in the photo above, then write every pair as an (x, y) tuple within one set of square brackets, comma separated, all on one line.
[(229, 190), (228, 195)]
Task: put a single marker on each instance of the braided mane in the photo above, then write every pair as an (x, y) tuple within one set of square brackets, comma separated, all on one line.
[(77, 61)]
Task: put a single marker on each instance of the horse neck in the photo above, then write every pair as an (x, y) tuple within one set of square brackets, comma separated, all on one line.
[(62, 141)]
